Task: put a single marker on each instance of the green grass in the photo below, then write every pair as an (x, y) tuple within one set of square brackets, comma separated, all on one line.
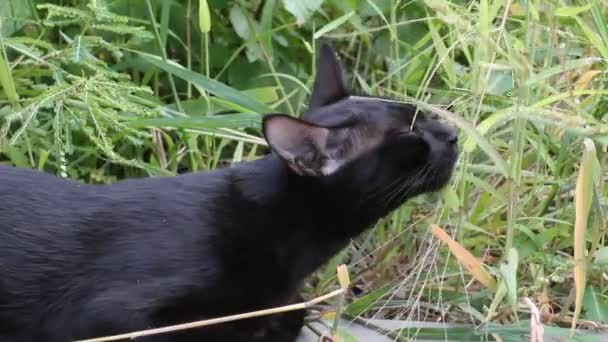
[(98, 93)]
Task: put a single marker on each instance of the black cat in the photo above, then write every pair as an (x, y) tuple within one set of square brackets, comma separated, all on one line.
[(81, 261)]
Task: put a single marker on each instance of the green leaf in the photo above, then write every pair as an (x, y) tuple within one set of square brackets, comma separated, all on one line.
[(246, 29), (450, 198), (237, 156), (266, 26), (531, 236), (332, 25), (44, 156), (264, 94), (601, 256), (379, 11), (14, 15), (499, 295), (16, 156), (242, 100), (500, 82), (509, 276), (239, 22), (364, 302), (571, 11), (507, 287), (596, 310), (302, 10), (204, 18), (489, 123)]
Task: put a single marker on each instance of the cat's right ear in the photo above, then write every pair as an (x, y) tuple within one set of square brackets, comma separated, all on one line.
[(329, 85), (302, 145)]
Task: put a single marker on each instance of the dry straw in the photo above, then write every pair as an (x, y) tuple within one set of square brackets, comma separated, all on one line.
[(342, 275), (465, 258)]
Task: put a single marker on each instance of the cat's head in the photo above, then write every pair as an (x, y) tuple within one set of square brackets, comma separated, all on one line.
[(367, 142)]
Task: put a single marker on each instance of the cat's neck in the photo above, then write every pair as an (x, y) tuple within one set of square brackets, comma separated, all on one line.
[(270, 184), (305, 220)]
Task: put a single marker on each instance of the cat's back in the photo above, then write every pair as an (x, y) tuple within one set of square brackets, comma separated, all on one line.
[(37, 212), (26, 193), (14, 180), (41, 208), (32, 189), (62, 241)]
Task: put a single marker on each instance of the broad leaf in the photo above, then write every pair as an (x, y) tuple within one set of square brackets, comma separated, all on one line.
[(302, 10)]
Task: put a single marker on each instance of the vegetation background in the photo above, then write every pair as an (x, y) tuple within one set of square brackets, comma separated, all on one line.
[(100, 90)]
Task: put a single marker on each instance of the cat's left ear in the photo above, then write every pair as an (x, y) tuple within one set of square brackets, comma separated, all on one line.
[(329, 85), (308, 149)]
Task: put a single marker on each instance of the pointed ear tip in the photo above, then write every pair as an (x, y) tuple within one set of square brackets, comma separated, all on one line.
[(327, 50), (266, 119), (327, 47), (271, 116)]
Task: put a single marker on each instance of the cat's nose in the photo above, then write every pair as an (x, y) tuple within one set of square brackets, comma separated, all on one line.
[(446, 133), (440, 130)]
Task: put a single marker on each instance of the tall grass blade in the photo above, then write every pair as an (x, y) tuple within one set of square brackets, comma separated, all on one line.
[(6, 77), (596, 308), (164, 22), (240, 120), (472, 133), (332, 25), (446, 62), (214, 87), (593, 37), (571, 11)]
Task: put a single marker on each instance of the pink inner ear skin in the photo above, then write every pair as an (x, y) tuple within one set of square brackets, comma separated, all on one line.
[(286, 133)]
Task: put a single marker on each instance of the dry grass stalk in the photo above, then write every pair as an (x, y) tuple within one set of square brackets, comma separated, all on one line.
[(207, 322), (536, 326), (582, 200), (465, 258)]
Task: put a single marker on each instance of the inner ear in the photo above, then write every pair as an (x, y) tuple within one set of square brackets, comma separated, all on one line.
[(329, 85), (308, 149)]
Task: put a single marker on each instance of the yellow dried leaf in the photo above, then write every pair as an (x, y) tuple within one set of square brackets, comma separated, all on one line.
[(582, 205), (465, 258), (343, 277), (517, 10), (585, 78), (329, 316)]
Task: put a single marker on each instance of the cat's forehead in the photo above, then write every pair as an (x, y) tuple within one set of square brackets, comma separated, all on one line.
[(361, 110)]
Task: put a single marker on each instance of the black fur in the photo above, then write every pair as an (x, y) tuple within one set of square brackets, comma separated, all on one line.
[(80, 261)]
